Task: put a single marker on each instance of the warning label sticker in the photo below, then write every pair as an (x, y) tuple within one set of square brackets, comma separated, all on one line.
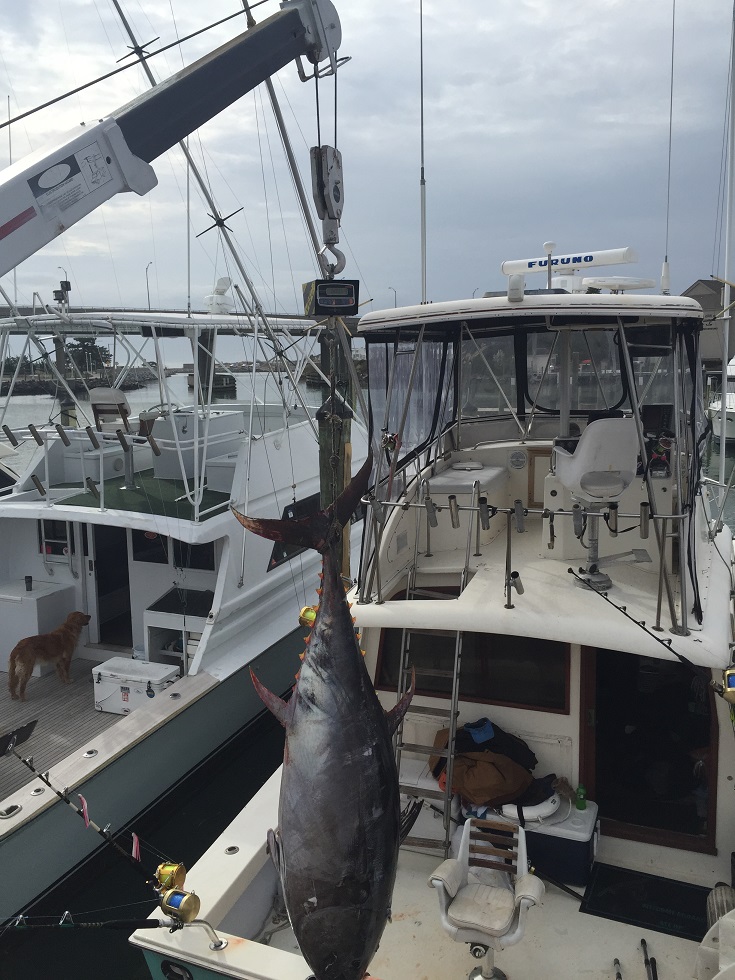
[(60, 186)]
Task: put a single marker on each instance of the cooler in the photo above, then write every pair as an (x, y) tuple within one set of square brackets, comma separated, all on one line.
[(565, 850), (121, 684)]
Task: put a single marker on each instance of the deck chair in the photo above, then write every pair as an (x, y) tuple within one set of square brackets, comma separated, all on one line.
[(110, 409), (597, 473), (485, 893)]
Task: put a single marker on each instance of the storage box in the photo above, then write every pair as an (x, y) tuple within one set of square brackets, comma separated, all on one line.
[(565, 850), (121, 684)]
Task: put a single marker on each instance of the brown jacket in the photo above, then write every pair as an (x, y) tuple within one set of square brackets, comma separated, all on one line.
[(488, 778)]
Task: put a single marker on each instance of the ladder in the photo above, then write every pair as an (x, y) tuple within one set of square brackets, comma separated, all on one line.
[(448, 716)]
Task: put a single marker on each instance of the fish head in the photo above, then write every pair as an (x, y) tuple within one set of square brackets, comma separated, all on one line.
[(342, 941)]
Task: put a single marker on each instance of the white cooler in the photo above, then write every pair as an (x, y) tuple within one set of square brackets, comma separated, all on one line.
[(121, 684)]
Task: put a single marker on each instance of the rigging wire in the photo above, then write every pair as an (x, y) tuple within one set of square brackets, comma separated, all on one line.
[(671, 118), (142, 56)]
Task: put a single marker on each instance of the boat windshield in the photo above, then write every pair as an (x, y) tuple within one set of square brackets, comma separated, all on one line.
[(510, 382)]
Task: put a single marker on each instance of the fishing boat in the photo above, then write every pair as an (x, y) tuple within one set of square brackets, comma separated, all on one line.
[(714, 408), (545, 564), (125, 516)]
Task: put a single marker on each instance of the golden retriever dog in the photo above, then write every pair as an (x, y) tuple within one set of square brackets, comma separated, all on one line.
[(56, 647)]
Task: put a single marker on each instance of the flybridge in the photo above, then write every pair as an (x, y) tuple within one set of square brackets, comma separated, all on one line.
[(581, 260)]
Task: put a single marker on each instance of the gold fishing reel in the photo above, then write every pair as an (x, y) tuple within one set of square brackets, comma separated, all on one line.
[(728, 684), (307, 616), (174, 900), (180, 905)]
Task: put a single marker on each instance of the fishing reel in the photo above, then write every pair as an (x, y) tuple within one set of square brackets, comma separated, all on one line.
[(307, 616), (726, 690), (180, 905)]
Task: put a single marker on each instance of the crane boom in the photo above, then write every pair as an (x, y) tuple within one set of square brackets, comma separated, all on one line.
[(49, 190)]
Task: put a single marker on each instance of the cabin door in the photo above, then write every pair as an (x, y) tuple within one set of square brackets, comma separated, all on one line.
[(649, 749), (108, 585)]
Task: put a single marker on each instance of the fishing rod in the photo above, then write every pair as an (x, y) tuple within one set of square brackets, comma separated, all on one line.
[(167, 882), (181, 917), (8, 747)]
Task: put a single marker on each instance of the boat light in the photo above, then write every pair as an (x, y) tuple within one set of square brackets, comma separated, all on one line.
[(180, 905), (169, 875), (307, 616)]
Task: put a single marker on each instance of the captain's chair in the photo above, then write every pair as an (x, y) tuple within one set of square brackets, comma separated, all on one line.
[(110, 409), (601, 468), (485, 893)]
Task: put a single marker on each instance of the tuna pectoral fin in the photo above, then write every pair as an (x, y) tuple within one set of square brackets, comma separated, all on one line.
[(396, 713), (274, 849), (283, 710)]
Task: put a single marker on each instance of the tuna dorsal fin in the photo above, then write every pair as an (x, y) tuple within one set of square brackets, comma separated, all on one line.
[(283, 710), (317, 531), (396, 713)]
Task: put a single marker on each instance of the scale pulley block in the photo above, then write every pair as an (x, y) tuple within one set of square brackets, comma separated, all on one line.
[(327, 182)]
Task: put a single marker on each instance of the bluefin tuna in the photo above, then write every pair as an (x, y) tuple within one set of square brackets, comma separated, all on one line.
[(336, 847)]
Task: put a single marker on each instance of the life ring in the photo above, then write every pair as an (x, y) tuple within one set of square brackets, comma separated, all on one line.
[(530, 813)]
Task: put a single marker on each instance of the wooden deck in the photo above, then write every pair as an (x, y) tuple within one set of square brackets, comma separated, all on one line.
[(67, 720)]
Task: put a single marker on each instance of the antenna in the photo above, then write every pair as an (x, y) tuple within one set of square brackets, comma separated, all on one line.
[(422, 181)]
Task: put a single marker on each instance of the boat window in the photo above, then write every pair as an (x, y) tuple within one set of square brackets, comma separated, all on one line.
[(149, 546), (596, 378), (431, 400), (496, 669), (55, 539), (488, 375), (193, 555), (293, 512)]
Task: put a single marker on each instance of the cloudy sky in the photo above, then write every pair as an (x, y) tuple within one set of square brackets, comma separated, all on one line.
[(544, 121)]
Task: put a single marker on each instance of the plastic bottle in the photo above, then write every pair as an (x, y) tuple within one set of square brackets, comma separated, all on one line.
[(581, 797)]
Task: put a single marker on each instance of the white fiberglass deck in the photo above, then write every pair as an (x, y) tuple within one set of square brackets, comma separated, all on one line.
[(232, 877), (560, 941), (552, 605)]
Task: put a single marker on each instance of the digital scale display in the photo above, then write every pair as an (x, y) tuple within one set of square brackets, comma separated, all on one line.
[(336, 297)]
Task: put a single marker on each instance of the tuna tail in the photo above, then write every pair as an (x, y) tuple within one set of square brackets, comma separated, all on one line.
[(319, 531)]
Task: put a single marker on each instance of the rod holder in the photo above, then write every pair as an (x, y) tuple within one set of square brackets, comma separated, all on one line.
[(62, 435), (34, 432), (38, 485), (612, 519), (122, 440), (91, 435), (645, 518), (431, 512), (520, 515), (92, 487), (578, 520), (378, 510), (515, 583), (453, 510), (10, 436), (552, 534), (484, 513), (154, 445)]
